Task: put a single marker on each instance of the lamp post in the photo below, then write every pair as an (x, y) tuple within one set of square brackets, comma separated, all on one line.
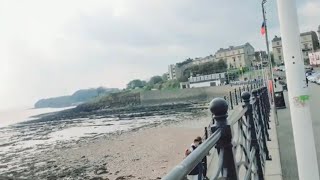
[(271, 96), (297, 91), (271, 77)]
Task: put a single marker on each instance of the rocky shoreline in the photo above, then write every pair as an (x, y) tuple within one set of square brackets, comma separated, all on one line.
[(60, 159), (120, 112)]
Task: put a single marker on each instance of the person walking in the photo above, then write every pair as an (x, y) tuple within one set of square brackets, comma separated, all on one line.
[(204, 161), (307, 81), (196, 173)]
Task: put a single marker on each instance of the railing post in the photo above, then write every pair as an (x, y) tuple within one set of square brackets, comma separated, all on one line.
[(206, 133), (255, 93), (231, 103), (236, 96), (266, 100), (253, 132), (219, 109), (265, 115)]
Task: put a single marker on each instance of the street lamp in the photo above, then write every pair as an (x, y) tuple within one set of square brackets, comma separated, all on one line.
[(266, 37)]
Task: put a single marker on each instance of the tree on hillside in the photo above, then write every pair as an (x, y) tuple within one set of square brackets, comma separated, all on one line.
[(136, 83), (165, 77), (183, 78), (205, 69), (171, 84), (155, 80), (221, 66), (272, 59), (187, 61)]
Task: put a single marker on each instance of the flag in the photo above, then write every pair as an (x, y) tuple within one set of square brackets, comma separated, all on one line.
[(263, 28)]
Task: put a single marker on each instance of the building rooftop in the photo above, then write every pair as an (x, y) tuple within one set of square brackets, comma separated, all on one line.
[(276, 38), (205, 78), (233, 48), (312, 33)]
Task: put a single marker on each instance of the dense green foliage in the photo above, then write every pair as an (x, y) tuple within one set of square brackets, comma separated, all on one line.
[(155, 80), (137, 83), (204, 69), (187, 61)]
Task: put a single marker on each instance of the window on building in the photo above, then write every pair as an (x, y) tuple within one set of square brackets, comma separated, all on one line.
[(239, 57), (278, 43), (279, 50), (280, 58), (234, 59)]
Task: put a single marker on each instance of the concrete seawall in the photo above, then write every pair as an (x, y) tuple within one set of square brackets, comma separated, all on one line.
[(184, 95)]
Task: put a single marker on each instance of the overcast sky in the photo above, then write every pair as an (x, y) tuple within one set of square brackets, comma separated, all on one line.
[(55, 47)]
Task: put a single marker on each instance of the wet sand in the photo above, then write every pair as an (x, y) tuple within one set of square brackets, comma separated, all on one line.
[(145, 154), (148, 149)]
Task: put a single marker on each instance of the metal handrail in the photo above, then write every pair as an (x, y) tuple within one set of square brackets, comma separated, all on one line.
[(252, 133), (237, 118), (191, 161)]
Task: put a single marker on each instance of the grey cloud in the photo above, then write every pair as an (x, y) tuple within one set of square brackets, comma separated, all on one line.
[(99, 47)]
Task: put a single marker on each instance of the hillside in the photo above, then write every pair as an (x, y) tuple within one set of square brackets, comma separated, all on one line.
[(76, 98)]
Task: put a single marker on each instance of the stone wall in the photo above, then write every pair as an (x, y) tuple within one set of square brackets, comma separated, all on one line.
[(183, 95)]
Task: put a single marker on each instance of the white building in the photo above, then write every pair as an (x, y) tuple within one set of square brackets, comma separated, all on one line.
[(309, 43), (314, 58), (260, 58), (175, 71), (172, 71), (319, 32), (207, 80), (236, 56)]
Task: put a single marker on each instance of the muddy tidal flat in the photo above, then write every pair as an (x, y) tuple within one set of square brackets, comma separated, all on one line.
[(117, 146)]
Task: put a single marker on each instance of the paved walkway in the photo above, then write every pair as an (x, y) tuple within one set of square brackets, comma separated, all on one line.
[(285, 134), (273, 167)]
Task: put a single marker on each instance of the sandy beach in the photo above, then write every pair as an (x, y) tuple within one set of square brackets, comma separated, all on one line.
[(148, 153), (144, 154), (146, 148)]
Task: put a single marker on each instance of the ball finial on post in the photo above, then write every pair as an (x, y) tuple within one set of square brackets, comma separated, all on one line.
[(246, 96), (218, 107)]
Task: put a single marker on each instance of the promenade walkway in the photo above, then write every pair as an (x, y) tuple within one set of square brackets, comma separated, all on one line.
[(285, 134)]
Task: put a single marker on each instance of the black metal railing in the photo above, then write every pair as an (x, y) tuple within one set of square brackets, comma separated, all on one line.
[(233, 97), (240, 141)]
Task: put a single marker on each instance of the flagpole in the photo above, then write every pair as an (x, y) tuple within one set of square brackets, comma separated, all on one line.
[(268, 51), (271, 95)]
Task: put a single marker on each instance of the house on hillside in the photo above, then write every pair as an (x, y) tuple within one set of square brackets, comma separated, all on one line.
[(309, 44), (236, 56), (205, 81)]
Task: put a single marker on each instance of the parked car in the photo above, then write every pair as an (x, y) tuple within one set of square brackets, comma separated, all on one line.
[(315, 77), (318, 81), (281, 68), (312, 76), (308, 67)]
